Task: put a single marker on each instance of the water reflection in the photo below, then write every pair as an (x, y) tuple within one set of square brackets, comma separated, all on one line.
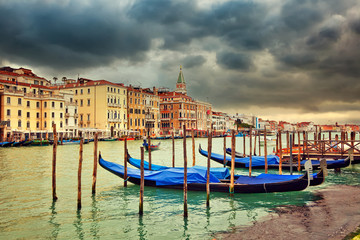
[(79, 225), (186, 235), (52, 221), (141, 228), (94, 227)]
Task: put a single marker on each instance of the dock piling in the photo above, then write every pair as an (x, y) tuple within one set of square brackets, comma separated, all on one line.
[(173, 149), (250, 160), (224, 151), (54, 164), (141, 202), (79, 173), (208, 170), (265, 151), (231, 190), (125, 161), (193, 145), (95, 163), (185, 174)]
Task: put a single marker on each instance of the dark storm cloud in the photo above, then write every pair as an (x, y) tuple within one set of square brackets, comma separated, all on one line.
[(287, 54), (65, 37), (234, 61), (193, 61)]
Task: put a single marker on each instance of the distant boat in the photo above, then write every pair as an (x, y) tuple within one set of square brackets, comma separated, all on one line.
[(6, 144), (18, 144), (152, 147), (38, 142)]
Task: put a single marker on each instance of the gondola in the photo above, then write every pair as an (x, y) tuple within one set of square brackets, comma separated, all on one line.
[(237, 154), (6, 144), (18, 144), (224, 173), (27, 143), (38, 142), (196, 179), (258, 162), (152, 147)]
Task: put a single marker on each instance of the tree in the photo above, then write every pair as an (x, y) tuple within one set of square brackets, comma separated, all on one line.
[(64, 79), (55, 79)]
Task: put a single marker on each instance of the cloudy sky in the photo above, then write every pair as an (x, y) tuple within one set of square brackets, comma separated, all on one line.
[(293, 60)]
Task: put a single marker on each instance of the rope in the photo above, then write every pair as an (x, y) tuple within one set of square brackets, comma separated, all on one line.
[(231, 192), (265, 188), (126, 179)]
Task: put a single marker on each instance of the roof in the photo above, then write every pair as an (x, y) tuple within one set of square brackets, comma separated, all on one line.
[(181, 78), (88, 83), (25, 84)]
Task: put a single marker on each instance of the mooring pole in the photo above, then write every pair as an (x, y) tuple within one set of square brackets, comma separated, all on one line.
[(185, 174), (224, 151), (280, 153), (125, 161), (265, 151), (244, 145), (232, 172), (173, 150), (54, 165), (193, 145), (254, 142), (291, 156), (79, 173), (149, 149), (259, 144), (208, 170), (141, 202), (250, 160), (299, 167), (95, 163)]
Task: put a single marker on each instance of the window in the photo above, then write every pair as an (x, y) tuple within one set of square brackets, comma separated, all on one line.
[(88, 117), (61, 115), (88, 102), (8, 123), (61, 105), (38, 104), (75, 121), (28, 103), (81, 91), (28, 124), (81, 117), (45, 124), (19, 101), (37, 115), (66, 110), (45, 114), (19, 113), (66, 122), (61, 124), (28, 114), (71, 100), (53, 104), (37, 124), (19, 123), (53, 115), (75, 92), (88, 90), (45, 104), (81, 103), (8, 112), (8, 101)]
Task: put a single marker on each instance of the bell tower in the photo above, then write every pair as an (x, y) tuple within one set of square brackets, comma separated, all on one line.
[(180, 84)]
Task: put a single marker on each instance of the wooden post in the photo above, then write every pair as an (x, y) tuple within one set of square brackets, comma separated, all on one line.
[(291, 157), (265, 151), (79, 174), (250, 160), (224, 151), (287, 142), (280, 153), (95, 164), (259, 144), (54, 165), (173, 150), (125, 161), (299, 167), (232, 172), (244, 147), (254, 142), (149, 150), (185, 174), (193, 145), (277, 143), (208, 170), (141, 202)]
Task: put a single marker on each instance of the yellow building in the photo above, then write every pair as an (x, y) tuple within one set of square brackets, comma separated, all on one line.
[(102, 106), (143, 111), (29, 106)]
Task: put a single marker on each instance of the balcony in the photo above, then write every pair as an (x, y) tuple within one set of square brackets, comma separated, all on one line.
[(67, 115), (76, 115)]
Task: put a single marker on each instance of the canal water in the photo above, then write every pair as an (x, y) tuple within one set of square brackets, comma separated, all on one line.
[(28, 212)]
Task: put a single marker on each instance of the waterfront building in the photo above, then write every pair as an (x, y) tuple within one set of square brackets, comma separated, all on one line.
[(29, 106), (102, 106), (178, 109), (143, 111)]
